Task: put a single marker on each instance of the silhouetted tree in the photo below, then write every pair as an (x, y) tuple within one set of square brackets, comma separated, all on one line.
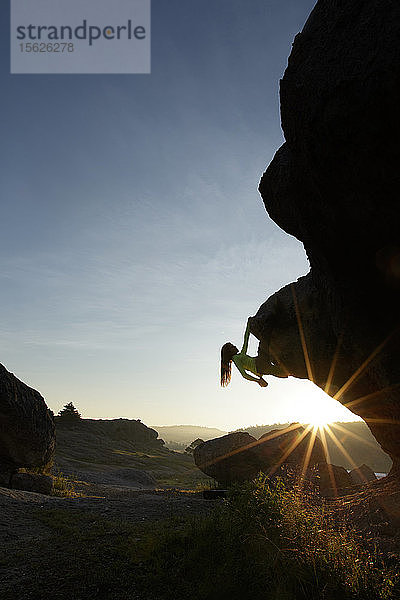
[(69, 414)]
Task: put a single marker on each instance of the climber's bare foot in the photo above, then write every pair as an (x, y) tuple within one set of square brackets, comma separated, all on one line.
[(261, 382)]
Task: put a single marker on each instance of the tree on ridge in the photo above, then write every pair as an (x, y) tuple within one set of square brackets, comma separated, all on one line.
[(69, 414)]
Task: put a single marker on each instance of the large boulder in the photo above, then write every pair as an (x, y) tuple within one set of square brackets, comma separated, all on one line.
[(27, 432), (335, 185), (333, 481), (362, 475), (294, 446), (239, 456), (229, 458)]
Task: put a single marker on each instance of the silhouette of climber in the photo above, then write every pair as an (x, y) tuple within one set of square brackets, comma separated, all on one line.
[(242, 361), (258, 365)]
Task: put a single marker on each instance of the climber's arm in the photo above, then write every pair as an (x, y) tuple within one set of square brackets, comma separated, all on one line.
[(246, 338)]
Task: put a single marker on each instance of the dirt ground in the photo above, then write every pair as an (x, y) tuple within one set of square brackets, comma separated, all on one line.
[(373, 512), (22, 533), (17, 525)]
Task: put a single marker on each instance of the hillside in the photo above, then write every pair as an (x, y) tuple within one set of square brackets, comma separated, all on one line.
[(121, 452), (356, 439), (127, 453)]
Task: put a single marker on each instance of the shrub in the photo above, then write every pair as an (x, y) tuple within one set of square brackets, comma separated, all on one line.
[(264, 542), (68, 414), (62, 486)]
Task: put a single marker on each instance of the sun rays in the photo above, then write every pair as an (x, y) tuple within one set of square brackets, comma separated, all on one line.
[(322, 431), (302, 335), (307, 436), (358, 372), (320, 428), (333, 365), (362, 368), (319, 424)]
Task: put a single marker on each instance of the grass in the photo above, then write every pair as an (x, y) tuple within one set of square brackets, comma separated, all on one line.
[(93, 453), (63, 487), (264, 543)]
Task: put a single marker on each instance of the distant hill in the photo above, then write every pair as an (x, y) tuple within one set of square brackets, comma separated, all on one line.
[(258, 430), (183, 435), (356, 439)]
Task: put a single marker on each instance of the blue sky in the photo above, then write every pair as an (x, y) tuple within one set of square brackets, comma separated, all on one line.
[(133, 239)]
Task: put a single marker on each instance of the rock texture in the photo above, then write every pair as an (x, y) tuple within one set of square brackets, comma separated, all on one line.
[(293, 447), (239, 456), (335, 185), (333, 481), (27, 432), (362, 475), (229, 458)]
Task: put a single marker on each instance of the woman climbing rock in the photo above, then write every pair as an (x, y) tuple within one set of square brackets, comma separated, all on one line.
[(246, 364)]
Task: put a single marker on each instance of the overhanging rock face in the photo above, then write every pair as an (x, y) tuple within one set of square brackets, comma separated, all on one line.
[(335, 185)]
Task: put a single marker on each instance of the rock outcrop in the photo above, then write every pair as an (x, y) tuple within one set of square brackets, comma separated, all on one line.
[(131, 430), (229, 458), (293, 447), (333, 481), (335, 185), (27, 432), (239, 456), (362, 475)]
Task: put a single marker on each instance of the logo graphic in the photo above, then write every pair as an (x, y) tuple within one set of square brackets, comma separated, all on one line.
[(80, 36)]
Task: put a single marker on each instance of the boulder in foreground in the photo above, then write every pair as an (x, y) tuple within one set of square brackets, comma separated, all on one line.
[(239, 456), (27, 431), (292, 446), (230, 458), (362, 475), (333, 481)]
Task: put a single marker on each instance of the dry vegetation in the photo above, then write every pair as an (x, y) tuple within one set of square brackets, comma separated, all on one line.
[(264, 541)]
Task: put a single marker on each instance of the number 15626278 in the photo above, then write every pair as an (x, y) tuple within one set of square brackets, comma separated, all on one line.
[(47, 47)]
